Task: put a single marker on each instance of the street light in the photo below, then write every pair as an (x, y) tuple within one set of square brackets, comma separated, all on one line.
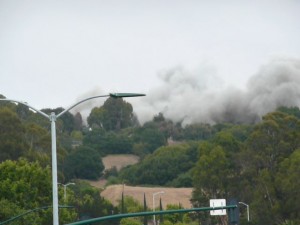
[(248, 213), (53, 117), (65, 189), (153, 200)]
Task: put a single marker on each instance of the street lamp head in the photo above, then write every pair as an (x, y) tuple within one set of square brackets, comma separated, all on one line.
[(127, 95)]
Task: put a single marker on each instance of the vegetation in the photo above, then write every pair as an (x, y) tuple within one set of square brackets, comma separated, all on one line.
[(255, 163)]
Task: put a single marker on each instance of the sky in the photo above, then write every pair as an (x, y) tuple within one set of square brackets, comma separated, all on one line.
[(192, 58)]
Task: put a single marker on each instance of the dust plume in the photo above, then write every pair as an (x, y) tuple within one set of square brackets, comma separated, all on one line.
[(199, 96)]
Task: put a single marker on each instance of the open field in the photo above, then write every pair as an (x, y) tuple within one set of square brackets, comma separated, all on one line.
[(119, 161), (113, 193)]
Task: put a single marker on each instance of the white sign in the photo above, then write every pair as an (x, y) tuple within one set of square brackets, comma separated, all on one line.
[(217, 203)]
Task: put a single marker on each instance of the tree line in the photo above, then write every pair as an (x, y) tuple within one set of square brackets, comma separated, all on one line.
[(255, 163)]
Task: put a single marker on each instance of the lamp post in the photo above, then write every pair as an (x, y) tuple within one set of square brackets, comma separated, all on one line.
[(65, 189), (248, 213), (53, 117), (153, 201)]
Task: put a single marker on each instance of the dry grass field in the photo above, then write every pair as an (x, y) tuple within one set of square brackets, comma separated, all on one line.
[(113, 193), (119, 161), (171, 195)]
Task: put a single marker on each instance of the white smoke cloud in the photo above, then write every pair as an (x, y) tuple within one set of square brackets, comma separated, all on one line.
[(199, 96)]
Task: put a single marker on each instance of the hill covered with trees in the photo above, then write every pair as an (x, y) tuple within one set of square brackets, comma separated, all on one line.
[(257, 163)]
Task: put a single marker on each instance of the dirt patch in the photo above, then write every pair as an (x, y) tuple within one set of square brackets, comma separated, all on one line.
[(172, 196), (98, 183), (119, 161)]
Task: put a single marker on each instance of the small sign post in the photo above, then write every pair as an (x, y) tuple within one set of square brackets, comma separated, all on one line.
[(217, 203)]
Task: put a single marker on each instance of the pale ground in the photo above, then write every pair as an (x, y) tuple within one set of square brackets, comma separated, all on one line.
[(119, 161), (170, 196), (113, 193)]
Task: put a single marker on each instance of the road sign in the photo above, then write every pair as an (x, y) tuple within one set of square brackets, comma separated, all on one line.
[(217, 203)]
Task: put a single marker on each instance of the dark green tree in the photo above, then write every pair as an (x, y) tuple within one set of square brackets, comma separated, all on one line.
[(115, 114), (147, 139), (84, 163), (25, 186), (269, 145), (12, 135), (89, 203), (211, 174), (161, 167)]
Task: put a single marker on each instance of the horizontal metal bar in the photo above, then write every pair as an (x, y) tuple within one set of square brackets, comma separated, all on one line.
[(118, 216)]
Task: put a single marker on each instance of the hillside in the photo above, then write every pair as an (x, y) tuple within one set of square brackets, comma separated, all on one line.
[(119, 161), (171, 195), (113, 193)]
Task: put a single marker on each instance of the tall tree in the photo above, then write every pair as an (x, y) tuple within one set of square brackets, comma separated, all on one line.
[(211, 174), (269, 145), (83, 163), (115, 114), (12, 135)]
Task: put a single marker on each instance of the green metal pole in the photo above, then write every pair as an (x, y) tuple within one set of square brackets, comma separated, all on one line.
[(119, 216)]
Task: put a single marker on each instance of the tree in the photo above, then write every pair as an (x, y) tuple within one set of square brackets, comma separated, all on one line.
[(198, 132), (89, 203), (25, 186), (78, 121), (149, 138), (288, 183), (115, 114), (131, 206), (161, 167), (174, 218), (83, 163), (12, 135), (273, 140), (108, 142), (211, 174), (269, 145)]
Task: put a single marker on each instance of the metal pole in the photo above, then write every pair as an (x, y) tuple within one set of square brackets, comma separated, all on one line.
[(54, 170), (118, 216), (153, 201), (65, 192), (248, 211), (65, 189), (153, 207)]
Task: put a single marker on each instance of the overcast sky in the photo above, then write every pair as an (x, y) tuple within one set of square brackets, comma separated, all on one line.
[(52, 53)]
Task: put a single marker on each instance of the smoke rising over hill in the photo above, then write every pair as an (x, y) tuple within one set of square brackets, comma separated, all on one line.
[(200, 97)]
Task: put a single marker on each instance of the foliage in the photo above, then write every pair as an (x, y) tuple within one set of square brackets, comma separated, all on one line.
[(12, 138), (197, 132), (257, 163), (88, 202), (83, 162), (130, 221), (25, 186), (211, 174), (174, 217), (108, 142), (149, 138), (294, 111), (161, 167), (115, 114), (130, 206)]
